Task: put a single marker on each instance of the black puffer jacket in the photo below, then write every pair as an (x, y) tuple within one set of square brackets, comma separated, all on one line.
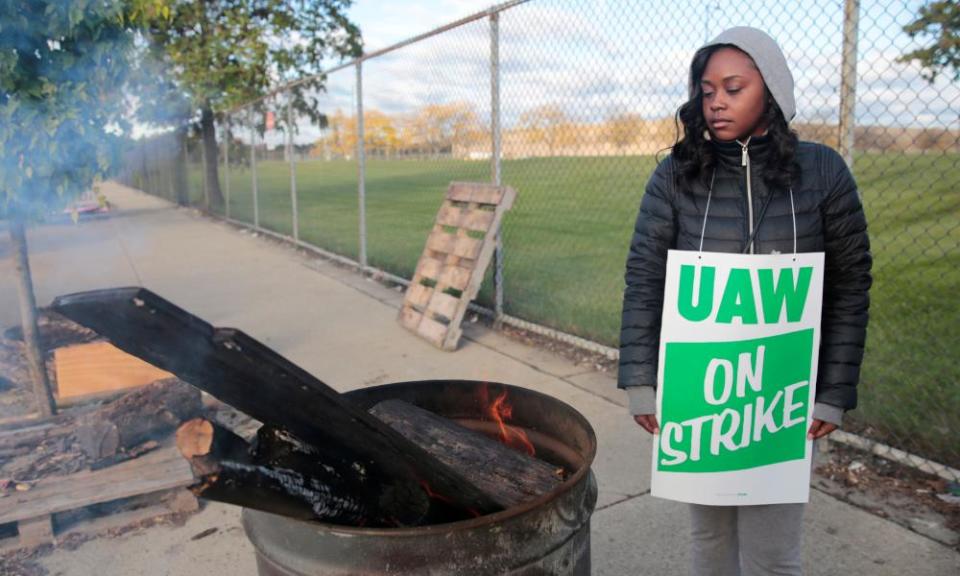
[(829, 219)]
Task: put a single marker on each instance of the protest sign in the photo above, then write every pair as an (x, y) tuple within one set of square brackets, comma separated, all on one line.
[(738, 361)]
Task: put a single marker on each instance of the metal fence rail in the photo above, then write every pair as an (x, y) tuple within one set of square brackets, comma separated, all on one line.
[(569, 102)]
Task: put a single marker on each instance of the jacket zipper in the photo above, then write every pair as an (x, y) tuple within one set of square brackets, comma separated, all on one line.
[(745, 161)]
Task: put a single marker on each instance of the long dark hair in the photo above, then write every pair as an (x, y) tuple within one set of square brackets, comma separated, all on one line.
[(693, 155)]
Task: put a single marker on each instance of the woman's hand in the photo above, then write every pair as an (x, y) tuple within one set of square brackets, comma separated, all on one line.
[(819, 429), (648, 422)]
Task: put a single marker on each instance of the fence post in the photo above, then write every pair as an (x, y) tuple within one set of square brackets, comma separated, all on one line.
[(226, 167), (253, 168), (147, 166), (181, 168), (848, 79), (203, 167), (142, 184), (293, 172), (153, 188), (361, 161), (495, 160)]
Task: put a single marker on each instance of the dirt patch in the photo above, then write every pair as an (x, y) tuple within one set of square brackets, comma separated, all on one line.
[(923, 503), (16, 398), (577, 355), (56, 331), (24, 562), (16, 392), (49, 455)]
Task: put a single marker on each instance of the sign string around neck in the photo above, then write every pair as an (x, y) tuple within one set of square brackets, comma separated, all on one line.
[(763, 211)]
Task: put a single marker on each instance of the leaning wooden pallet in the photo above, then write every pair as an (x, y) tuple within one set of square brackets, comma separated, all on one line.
[(453, 263)]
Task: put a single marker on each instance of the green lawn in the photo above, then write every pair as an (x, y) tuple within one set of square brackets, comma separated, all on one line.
[(566, 238)]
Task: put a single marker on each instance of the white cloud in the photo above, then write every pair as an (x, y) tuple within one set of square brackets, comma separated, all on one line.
[(595, 57), (386, 23)]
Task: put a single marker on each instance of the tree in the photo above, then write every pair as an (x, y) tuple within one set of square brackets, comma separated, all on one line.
[(224, 53), (379, 133), (548, 124), (941, 22), (437, 127), (623, 129), (340, 136), (60, 121), (158, 101)]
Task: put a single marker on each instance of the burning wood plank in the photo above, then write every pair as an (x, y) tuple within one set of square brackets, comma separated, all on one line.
[(280, 448), (228, 472), (510, 477), (247, 375)]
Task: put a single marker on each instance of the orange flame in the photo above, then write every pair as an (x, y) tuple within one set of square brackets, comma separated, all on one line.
[(437, 496), (501, 412)]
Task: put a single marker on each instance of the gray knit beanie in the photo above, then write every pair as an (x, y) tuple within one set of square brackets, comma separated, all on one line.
[(769, 59)]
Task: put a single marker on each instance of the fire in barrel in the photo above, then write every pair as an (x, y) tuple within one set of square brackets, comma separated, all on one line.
[(437, 477)]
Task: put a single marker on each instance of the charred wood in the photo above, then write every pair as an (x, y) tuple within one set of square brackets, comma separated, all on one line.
[(249, 376), (227, 472), (503, 473), (148, 413)]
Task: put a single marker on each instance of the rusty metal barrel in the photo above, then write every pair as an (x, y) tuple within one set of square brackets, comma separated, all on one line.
[(547, 536)]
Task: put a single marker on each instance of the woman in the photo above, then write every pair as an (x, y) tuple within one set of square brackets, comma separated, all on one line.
[(737, 142)]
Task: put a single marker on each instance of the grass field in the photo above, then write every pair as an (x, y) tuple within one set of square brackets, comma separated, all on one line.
[(565, 244)]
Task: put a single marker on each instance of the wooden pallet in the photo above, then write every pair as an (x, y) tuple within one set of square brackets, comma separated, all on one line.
[(454, 261), (158, 472)]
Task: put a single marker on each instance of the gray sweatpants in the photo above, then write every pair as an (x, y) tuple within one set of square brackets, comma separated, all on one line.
[(747, 540)]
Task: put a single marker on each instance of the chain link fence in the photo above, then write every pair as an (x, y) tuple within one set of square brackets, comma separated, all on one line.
[(570, 102)]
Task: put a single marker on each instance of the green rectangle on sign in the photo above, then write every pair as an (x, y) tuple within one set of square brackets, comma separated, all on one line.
[(735, 405)]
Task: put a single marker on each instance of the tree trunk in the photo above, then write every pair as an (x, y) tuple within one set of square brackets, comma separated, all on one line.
[(28, 318), (211, 178), (180, 183)]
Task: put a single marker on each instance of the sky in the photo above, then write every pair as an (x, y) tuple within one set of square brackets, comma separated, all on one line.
[(597, 58), (386, 22), (633, 54)]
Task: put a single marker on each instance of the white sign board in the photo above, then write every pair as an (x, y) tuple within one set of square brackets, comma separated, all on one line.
[(739, 347)]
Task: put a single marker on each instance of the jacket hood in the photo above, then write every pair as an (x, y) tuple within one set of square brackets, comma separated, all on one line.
[(769, 59)]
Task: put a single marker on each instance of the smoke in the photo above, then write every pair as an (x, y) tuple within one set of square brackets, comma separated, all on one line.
[(62, 121)]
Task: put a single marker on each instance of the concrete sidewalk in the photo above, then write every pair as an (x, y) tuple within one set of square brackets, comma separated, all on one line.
[(342, 328)]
